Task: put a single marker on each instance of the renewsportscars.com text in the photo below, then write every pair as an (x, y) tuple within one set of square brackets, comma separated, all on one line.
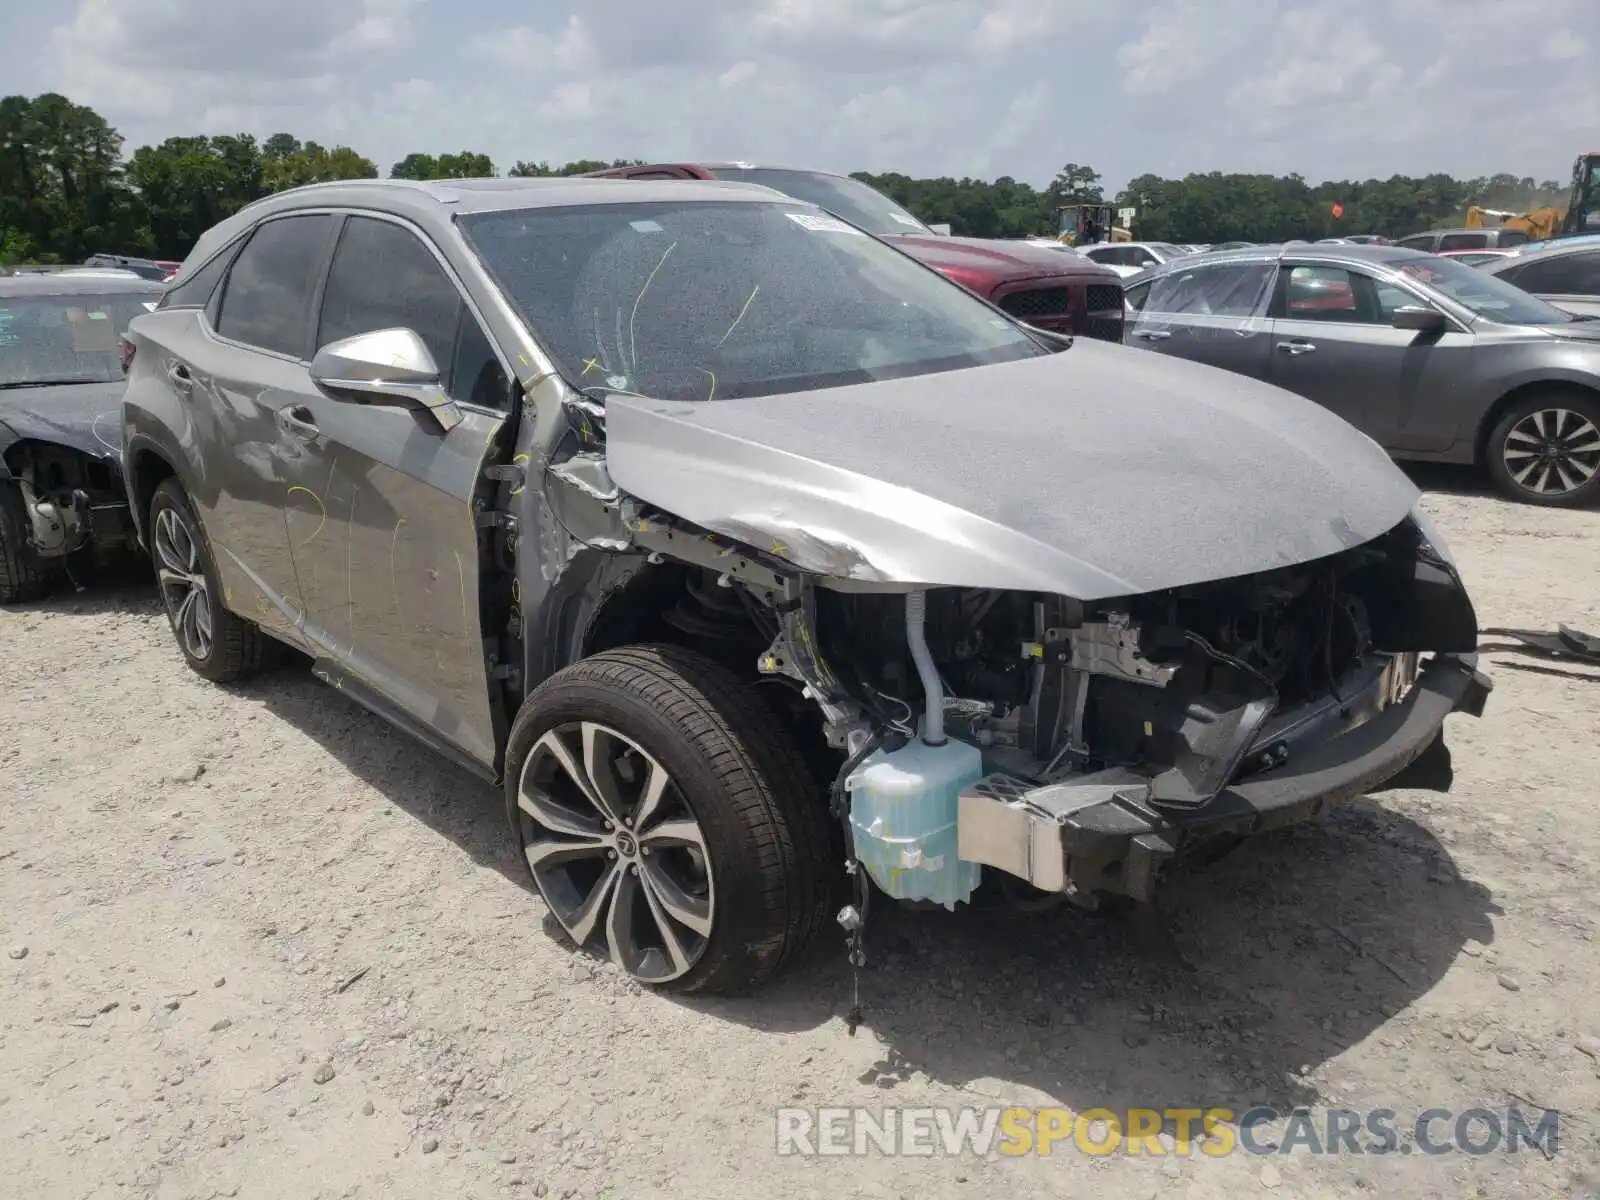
[(1212, 1132)]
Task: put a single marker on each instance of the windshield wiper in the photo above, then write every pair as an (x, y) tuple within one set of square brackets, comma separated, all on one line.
[(25, 383)]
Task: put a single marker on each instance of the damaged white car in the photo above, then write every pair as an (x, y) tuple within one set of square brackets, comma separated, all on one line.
[(744, 549)]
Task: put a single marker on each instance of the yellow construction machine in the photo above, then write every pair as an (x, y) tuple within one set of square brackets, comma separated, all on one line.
[(1583, 209), (1582, 214), (1538, 224)]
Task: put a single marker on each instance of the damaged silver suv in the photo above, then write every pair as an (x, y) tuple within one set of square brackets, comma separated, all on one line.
[(752, 555)]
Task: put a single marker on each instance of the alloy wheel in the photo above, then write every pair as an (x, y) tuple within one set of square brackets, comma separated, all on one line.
[(616, 850), (183, 583), (1552, 451)]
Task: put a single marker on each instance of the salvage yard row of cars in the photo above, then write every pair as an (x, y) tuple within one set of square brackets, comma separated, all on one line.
[(739, 545)]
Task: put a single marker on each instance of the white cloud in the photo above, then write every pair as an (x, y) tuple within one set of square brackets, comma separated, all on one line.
[(1367, 87), (1014, 87)]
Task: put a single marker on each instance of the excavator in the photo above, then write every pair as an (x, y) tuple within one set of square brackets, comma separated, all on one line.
[(1582, 214)]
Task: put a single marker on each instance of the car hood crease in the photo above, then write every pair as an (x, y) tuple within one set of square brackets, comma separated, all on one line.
[(1093, 473)]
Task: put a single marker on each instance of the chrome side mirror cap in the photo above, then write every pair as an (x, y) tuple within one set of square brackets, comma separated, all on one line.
[(386, 366)]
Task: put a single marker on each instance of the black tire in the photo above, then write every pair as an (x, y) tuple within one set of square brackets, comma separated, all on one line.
[(24, 575), (1584, 407), (238, 648), (738, 772)]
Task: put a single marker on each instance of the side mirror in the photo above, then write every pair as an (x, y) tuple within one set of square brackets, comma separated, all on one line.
[(1423, 320), (386, 366)]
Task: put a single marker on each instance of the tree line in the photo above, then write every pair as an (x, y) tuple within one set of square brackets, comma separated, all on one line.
[(68, 191)]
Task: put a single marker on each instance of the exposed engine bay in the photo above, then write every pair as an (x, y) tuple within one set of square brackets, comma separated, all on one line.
[(1079, 746), (69, 499)]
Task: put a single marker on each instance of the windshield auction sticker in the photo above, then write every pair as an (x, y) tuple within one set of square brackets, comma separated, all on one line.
[(822, 224)]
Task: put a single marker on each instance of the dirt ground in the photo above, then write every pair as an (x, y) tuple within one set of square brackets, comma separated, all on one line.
[(259, 944)]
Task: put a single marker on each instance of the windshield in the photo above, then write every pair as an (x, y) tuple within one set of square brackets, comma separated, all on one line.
[(696, 300), (1487, 296), (65, 338), (838, 194)]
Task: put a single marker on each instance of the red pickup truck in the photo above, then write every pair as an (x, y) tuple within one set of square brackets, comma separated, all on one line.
[(1053, 289)]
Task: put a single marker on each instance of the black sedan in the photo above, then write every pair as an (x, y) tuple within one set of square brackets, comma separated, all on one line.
[(61, 386), (1434, 360)]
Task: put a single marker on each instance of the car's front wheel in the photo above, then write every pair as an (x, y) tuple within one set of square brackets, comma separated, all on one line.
[(216, 643), (23, 574), (1546, 450), (664, 815)]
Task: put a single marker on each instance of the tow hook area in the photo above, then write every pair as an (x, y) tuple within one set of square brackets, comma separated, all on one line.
[(1103, 832)]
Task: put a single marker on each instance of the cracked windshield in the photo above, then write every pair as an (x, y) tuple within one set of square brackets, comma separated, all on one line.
[(611, 602)]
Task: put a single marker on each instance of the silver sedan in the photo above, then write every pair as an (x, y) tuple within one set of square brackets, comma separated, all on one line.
[(1434, 360)]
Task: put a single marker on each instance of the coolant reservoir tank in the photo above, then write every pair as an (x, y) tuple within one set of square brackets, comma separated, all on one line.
[(903, 807)]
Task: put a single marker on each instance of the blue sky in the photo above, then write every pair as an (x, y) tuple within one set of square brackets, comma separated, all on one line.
[(926, 87)]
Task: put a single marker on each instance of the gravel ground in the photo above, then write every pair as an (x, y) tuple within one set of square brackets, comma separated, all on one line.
[(262, 945)]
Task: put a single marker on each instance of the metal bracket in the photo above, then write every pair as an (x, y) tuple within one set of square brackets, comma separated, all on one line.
[(512, 473), (493, 518)]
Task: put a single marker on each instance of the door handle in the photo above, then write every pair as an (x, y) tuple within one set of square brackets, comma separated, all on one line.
[(1297, 348), (297, 421), (180, 377), (1152, 335)]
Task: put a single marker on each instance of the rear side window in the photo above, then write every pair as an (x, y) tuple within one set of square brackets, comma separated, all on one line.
[(1567, 275), (1463, 241), (195, 292), (1223, 290), (271, 287), (1511, 237)]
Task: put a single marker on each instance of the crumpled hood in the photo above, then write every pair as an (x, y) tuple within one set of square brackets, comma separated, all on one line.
[(84, 416), (992, 257), (1096, 472)]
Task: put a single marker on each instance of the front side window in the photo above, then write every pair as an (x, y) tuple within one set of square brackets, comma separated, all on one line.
[(1328, 294), (1465, 241), (267, 299), (1419, 241), (65, 338), (384, 277), (711, 300)]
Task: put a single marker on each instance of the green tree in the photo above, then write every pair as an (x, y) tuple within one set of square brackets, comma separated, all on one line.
[(465, 165), (62, 194), (311, 163), (189, 184)]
